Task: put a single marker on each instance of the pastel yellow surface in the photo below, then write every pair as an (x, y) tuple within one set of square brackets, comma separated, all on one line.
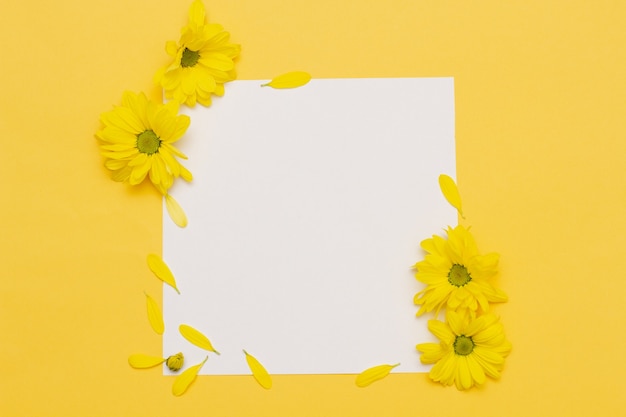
[(540, 119)]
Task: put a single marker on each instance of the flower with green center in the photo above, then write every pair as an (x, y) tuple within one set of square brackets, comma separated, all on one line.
[(202, 61), (137, 141), (468, 352), (456, 275)]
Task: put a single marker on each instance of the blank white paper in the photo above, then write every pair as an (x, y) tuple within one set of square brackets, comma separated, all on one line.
[(305, 213)]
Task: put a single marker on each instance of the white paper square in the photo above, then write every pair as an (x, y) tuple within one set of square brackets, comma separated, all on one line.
[(305, 216)]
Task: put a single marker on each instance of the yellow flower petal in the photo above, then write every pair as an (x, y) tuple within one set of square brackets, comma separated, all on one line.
[(184, 380), (189, 82), (158, 172), (289, 80), (155, 317), (196, 337), (175, 211), (457, 322), (258, 371), (463, 375), (491, 369), (373, 374), (112, 134), (161, 270), (137, 104), (431, 352), (141, 165), (121, 174), (122, 118), (444, 370), (170, 148), (185, 174), (206, 85), (484, 325), (451, 192), (171, 49), (141, 361), (478, 374), (441, 331), (197, 13), (218, 61)]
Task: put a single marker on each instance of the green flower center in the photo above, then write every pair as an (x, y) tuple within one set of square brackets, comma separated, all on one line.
[(190, 58), (463, 345), (148, 142), (458, 275)]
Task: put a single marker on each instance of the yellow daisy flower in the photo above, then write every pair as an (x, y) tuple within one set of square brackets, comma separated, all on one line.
[(137, 141), (202, 61), (468, 352), (456, 275)]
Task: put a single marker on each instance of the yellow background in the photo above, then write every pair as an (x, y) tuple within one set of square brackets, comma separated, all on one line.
[(540, 119)]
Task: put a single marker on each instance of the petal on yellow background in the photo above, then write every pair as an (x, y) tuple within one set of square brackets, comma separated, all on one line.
[(155, 316), (184, 380), (141, 361), (292, 79), (258, 371), (197, 13), (373, 374)]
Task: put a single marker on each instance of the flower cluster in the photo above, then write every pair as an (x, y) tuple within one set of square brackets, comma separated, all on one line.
[(137, 138), (459, 280)]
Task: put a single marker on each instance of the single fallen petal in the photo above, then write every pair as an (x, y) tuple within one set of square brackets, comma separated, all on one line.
[(155, 317), (451, 192), (289, 80), (141, 361), (373, 374), (258, 371), (176, 212), (161, 270), (196, 337), (184, 380)]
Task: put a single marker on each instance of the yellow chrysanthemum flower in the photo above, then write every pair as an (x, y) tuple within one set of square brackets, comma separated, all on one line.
[(468, 352), (203, 61), (456, 275), (137, 140)]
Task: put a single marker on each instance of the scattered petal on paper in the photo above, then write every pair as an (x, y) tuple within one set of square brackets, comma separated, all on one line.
[(290, 80), (161, 270), (184, 380), (373, 374), (141, 361), (196, 338), (176, 212), (155, 317), (451, 192), (258, 371)]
